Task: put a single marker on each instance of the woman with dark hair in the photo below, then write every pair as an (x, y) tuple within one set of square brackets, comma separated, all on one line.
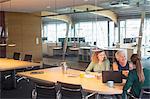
[(137, 78), (99, 62)]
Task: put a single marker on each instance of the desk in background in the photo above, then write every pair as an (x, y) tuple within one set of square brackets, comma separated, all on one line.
[(10, 64)]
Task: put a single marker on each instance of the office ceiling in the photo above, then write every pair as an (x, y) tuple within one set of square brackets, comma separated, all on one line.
[(120, 7)]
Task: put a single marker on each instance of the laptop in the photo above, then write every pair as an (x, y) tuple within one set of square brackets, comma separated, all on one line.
[(115, 76)]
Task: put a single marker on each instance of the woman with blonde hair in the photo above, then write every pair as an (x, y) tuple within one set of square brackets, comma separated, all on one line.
[(99, 62), (137, 78), (121, 61)]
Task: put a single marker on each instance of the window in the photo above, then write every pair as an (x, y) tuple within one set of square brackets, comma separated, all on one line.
[(93, 32)]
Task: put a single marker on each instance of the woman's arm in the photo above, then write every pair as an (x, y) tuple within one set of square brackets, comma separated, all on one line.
[(107, 64), (131, 66), (90, 67), (115, 66)]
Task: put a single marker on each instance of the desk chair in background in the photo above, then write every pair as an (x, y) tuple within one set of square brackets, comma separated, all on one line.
[(16, 56), (44, 90), (9, 76), (28, 58)]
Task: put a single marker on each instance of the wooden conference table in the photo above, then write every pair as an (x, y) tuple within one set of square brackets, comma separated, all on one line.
[(89, 82), (11, 64)]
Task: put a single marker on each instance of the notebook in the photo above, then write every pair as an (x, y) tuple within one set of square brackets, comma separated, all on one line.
[(115, 76)]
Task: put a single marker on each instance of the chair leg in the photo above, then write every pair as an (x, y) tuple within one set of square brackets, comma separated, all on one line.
[(58, 95), (34, 94), (88, 96)]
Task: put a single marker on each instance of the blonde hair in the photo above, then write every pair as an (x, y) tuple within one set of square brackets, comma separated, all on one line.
[(118, 53), (94, 57), (136, 61)]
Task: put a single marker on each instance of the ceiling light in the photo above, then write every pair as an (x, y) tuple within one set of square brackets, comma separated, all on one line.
[(119, 4), (2, 1), (3, 44)]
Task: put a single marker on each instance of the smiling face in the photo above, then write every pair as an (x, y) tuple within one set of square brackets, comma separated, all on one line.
[(101, 56), (121, 57)]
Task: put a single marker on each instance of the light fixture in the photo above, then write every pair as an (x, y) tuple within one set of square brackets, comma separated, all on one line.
[(9, 45), (119, 3), (3, 44), (2, 1), (12, 45)]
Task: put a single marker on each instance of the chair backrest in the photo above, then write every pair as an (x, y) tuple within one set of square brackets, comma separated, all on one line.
[(70, 90), (27, 57), (16, 56), (45, 90), (145, 93)]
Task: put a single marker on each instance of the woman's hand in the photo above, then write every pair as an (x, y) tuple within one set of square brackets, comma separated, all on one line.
[(125, 72)]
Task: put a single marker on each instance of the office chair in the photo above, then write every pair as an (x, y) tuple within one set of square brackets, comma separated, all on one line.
[(72, 91), (144, 94), (16, 56), (7, 79), (8, 75), (44, 90), (27, 57), (69, 91)]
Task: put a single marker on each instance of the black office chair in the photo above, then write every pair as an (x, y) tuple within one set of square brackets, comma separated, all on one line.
[(27, 57), (144, 94), (44, 90), (69, 91), (7, 74), (7, 79), (16, 56)]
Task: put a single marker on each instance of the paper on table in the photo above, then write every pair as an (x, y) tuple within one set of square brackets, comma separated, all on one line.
[(72, 75), (89, 76)]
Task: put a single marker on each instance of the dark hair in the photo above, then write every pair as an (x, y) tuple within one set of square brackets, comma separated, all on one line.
[(136, 61)]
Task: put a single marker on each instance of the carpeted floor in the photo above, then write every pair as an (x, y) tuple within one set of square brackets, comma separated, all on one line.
[(23, 91)]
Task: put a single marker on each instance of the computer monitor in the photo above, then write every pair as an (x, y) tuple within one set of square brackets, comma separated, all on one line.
[(115, 76)]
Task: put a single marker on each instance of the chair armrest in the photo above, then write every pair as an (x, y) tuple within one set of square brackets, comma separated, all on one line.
[(130, 95), (6, 77), (88, 96)]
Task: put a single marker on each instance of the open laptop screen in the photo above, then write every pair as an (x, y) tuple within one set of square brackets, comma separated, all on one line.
[(115, 76)]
